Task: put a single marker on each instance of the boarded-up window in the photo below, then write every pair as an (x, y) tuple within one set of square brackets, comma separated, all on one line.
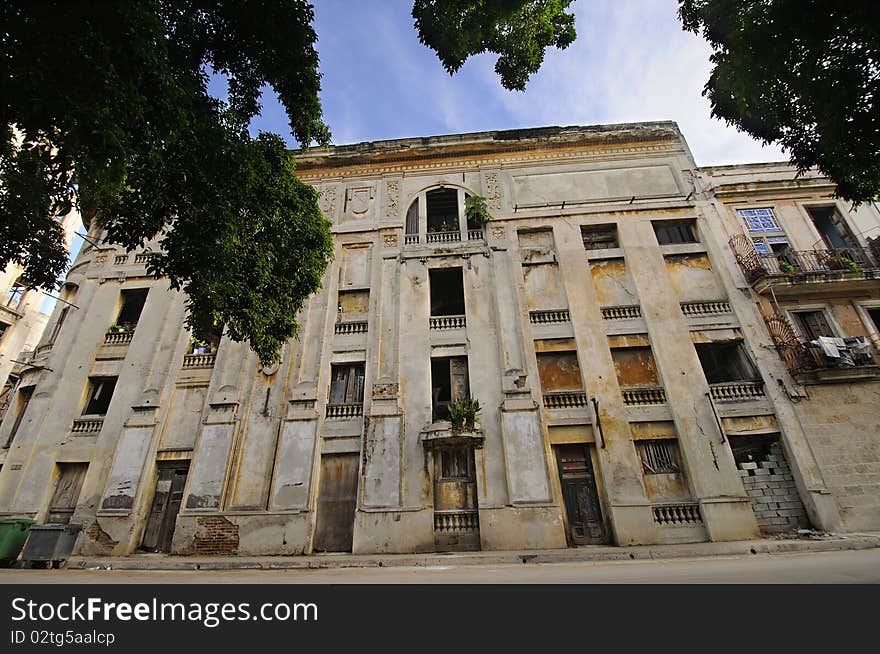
[(354, 267), (559, 371), (635, 367), (693, 279), (354, 304), (544, 289), (536, 246), (66, 495), (612, 282), (99, 395), (347, 383), (599, 237)]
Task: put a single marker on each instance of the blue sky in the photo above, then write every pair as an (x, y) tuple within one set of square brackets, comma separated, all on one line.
[(630, 62)]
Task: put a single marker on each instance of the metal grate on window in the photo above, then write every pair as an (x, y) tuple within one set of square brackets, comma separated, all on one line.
[(658, 457)]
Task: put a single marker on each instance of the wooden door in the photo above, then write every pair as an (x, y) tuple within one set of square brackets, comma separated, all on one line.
[(337, 501), (167, 497), (585, 524), (66, 495)]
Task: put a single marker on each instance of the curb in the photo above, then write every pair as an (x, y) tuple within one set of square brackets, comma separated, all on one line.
[(573, 555)]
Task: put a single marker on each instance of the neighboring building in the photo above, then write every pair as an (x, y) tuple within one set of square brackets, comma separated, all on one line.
[(631, 390), (21, 320)]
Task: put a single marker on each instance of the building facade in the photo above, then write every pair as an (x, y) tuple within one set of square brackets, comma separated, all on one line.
[(647, 369)]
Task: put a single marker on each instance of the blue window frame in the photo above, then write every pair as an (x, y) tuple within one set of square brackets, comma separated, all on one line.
[(760, 220)]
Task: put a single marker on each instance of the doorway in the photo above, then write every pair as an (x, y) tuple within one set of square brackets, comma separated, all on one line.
[(456, 515), (66, 494), (579, 493), (337, 501), (170, 482)]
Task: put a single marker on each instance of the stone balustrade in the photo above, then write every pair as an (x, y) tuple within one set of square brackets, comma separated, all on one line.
[(443, 237), (199, 360), (565, 399), (549, 316), (475, 234), (351, 327), (705, 308), (737, 391), (670, 515), (644, 396), (119, 337), (625, 312), (87, 425), (344, 411), (120, 259), (456, 521), (447, 322)]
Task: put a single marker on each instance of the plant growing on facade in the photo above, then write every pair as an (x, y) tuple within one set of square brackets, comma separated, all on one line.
[(476, 210), (463, 413)]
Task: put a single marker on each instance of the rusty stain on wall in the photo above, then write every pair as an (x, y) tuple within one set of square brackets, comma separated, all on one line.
[(559, 371), (614, 287), (635, 367), (692, 277)]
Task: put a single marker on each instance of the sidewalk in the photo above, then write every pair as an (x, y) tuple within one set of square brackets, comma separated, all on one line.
[(808, 543)]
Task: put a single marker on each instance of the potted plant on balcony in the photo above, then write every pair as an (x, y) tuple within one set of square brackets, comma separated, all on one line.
[(839, 261), (198, 346), (463, 414), (786, 267), (476, 211)]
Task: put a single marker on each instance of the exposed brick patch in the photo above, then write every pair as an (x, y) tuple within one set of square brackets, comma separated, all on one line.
[(103, 543), (215, 535), (770, 485)]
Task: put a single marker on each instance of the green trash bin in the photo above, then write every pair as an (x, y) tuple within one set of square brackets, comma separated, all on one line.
[(13, 534)]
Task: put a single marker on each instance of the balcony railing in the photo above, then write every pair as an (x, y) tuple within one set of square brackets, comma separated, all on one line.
[(644, 396), (199, 360), (344, 411), (705, 308), (120, 259), (456, 521), (447, 322), (798, 357), (736, 391), (565, 399), (475, 234), (443, 237), (547, 317), (87, 425), (671, 515), (409, 239), (625, 312), (758, 266), (118, 337), (351, 327)]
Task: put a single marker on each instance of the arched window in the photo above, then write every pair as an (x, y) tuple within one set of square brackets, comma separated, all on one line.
[(437, 215)]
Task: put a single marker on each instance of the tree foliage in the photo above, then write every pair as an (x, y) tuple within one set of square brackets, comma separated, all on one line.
[(111, 104), (519, 31), (801, 73), (106, 107)]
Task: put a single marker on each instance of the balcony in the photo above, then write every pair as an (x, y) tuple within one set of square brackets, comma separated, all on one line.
[(87, 425), (826, 360), (199, 360), (121, 336), (787, 272), (351, 327), (443, 237), (447, 322), (691, 309), (344, 411), (644, 396), (624, 312), (549, 317), (737, 391), (565, 399), (672, 515)]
